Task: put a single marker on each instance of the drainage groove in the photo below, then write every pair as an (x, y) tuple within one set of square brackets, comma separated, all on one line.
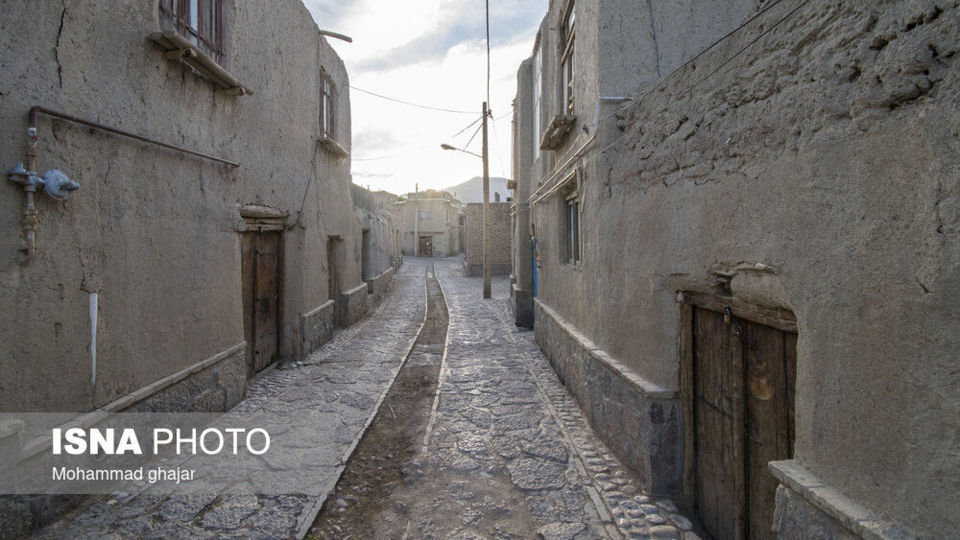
[(389, 455)]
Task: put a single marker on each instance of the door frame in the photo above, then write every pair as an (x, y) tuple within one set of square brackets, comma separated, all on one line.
[(428, 239), (259, 219), (778, 318)]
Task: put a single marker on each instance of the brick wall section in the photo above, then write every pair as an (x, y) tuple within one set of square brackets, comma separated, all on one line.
[(499, 236)]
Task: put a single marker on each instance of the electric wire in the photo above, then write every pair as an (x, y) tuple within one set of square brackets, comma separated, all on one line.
[(472, 137), (421, 147), (428, 107)]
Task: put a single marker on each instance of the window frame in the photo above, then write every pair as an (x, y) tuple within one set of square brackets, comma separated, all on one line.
[(328, 107), (568, 34), (537, 90), (199, 21), (571, 251)]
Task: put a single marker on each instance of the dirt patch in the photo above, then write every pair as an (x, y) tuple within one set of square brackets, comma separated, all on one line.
[(386, 458)]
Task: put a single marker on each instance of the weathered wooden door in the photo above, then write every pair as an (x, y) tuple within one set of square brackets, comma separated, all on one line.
[(426, 246), (261, 298), (743, 376)]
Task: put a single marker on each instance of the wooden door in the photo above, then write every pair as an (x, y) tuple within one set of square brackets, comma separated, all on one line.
[(426, 246), (261, 263), (742, 413)]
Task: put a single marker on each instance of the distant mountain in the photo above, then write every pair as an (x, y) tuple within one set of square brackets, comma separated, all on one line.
[(471, 191)]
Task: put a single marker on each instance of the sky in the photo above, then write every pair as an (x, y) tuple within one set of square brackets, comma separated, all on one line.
[(428, 52)]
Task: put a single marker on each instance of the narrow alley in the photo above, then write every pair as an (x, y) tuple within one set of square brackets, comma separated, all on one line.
[(502, 450), (505, 450), (479, 269)]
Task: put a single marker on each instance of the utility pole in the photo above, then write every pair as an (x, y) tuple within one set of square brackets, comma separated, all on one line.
[(486, 210)]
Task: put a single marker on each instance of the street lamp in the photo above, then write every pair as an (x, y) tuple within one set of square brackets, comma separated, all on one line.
[(448, 147), (486, 202)]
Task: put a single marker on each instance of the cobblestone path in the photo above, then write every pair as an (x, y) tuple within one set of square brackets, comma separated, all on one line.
[(337, 389), (506, 452), (517, 439)]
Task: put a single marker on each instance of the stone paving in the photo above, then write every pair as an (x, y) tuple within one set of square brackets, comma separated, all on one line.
[(508, 427), (337, 389), (507, 453)]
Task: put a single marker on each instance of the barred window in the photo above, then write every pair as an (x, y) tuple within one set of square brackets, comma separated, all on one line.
[(200, 21)]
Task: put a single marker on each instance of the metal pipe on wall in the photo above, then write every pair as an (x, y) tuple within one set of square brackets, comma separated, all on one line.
[(55, 183)]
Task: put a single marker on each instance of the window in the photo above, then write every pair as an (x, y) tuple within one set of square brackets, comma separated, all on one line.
[(200, 21), (573, 229), (570, 195), (326, 107), (425, 214), (537, 75), (567, 35)]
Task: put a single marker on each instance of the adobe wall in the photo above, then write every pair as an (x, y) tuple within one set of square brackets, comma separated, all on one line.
[(820, 167), (155, 232)]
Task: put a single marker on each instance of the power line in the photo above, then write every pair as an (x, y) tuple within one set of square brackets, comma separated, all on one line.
[(457, 134), (473, 136), (428, 107)]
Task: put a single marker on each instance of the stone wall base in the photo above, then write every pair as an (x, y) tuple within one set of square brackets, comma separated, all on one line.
[(352, 305), (378, 286), (639, 421), (522, 303), (808, 508), (474, 270), (215, 384), (316, 328)]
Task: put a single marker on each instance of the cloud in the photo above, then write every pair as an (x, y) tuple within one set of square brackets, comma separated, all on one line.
[(454, 23), (373, 138), (430, 52), (368, 175)]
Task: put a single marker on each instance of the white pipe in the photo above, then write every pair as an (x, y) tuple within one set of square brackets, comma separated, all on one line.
[(93, 338)]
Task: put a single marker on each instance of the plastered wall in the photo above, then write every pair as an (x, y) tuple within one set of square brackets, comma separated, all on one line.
[(820, 141), (154, 232)]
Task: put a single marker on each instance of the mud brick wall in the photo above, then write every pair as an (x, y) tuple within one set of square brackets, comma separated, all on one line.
[(500, 233)]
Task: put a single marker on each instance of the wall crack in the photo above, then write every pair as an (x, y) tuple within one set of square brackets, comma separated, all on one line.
[(56, 50)]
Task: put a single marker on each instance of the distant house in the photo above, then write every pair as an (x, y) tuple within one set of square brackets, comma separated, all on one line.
[(431, 224)]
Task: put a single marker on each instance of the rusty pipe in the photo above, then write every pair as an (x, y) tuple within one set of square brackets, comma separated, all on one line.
[(37, 110)]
